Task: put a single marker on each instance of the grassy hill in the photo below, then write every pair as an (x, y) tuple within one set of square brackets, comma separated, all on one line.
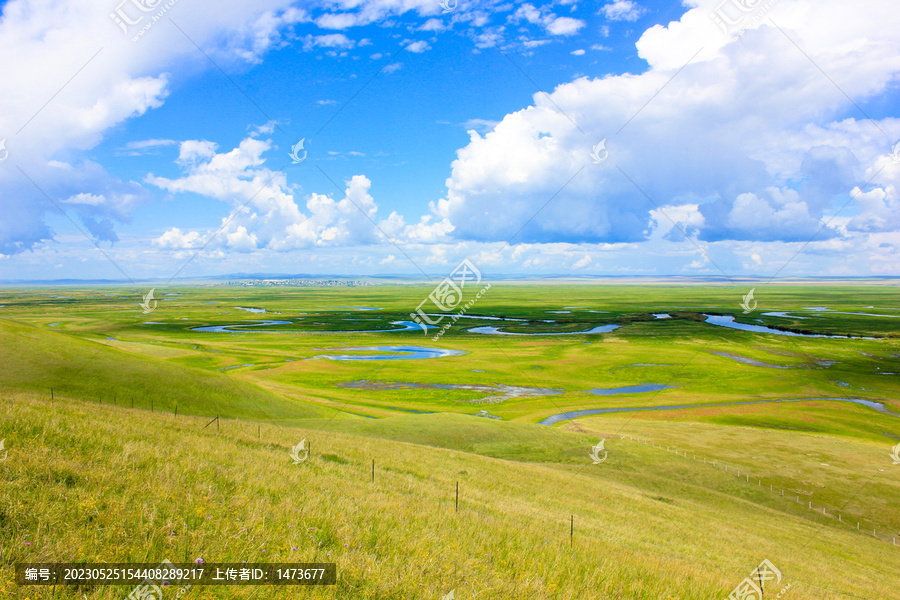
[(36, 360), (85, 482)]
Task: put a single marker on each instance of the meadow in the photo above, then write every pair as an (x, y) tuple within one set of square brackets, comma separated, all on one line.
[(112, 458)]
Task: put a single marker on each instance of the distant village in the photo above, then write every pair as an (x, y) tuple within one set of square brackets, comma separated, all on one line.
[(301, 283)]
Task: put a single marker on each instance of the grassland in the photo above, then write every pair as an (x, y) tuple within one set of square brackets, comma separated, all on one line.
[(91, 477)]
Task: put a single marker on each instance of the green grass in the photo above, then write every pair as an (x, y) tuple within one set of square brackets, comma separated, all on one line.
[(88, 476), (85, 482)]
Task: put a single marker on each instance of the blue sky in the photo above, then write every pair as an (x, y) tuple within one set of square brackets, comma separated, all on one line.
[(767, 148)]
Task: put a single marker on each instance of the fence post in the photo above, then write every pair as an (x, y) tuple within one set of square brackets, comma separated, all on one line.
[(572, 530), (457, 496)]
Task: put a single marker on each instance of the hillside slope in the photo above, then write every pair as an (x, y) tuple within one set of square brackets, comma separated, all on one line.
[(36, 360), (85, 482)]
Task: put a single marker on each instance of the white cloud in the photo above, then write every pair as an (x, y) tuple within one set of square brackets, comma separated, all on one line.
[(578, 52), (241, 241), (550, 22), (583, 262), (418, 46), (338, 21), (70, 74), (623, 10), (564, 26), (331, 40), (175, 239), (142, 147), (356, 13), (265, 211), (879, 210), (86, 199), (750, 133), (480, 125)]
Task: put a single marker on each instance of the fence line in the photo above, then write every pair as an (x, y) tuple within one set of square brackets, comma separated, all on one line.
[(890, 537), (669, 449)]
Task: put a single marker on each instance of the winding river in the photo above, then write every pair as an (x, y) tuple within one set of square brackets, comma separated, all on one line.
[(404, 326), (392, 353), (566, 416), (491, 330)]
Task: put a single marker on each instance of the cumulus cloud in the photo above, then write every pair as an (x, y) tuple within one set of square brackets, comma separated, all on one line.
[(70, 74), (330, 40), (553, 24), (355, 13), (623, 10), (418, 47), (264, 210), (72, 53), (750, 133), (879, 210), (583, 262)]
